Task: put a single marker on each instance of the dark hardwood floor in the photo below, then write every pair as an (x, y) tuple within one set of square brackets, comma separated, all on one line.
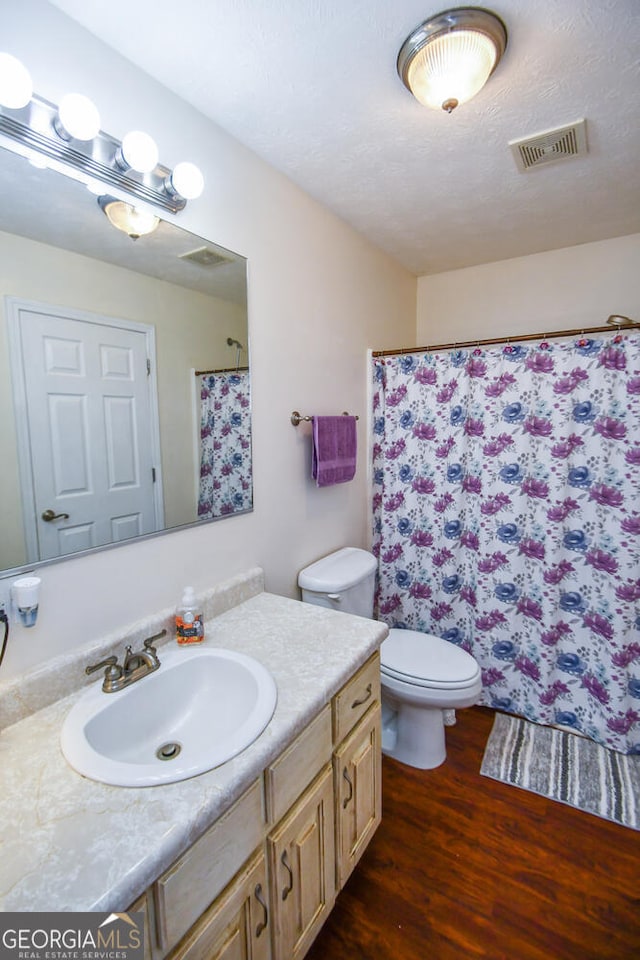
[(465, 867)]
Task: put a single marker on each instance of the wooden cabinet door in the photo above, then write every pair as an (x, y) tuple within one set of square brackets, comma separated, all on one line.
[(302, 869), (357, 767), (237, 924)]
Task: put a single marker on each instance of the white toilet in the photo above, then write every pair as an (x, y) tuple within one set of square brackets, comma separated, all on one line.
[(422, 675)]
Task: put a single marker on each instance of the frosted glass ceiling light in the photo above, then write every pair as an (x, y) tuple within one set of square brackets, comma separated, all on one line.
[(16, 88), (138, 152), (78, 118), (448, 59), (131, 220)]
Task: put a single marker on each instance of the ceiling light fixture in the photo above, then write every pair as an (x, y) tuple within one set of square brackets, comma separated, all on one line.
[(70, 138), (131, 220), (448, 59)]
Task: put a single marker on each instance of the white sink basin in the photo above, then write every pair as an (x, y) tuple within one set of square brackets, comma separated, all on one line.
[(201, 707)]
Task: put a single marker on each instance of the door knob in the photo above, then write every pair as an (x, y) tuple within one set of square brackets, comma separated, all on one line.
[(49, 515)]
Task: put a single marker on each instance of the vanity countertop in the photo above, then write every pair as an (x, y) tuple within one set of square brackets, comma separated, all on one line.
[(68, 843)]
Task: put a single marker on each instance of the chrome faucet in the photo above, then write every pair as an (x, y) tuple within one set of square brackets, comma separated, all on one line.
[(134, 667)]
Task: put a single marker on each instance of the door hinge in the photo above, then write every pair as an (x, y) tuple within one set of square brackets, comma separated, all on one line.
[(148, 367), (153, 474)]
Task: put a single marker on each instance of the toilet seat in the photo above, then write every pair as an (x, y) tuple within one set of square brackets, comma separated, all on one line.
[(423, 660)]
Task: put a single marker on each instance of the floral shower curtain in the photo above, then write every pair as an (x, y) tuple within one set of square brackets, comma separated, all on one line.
[(507, 520), (225, 445)]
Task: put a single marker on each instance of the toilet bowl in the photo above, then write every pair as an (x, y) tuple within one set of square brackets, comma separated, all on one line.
[(421, 675)]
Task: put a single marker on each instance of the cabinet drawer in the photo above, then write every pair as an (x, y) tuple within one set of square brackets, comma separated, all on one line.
[(355, 698), (193, 882), (288, 776), (143, 906)]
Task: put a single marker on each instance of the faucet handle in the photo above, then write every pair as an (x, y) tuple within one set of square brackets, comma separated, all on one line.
[(149, 643), (111, 663)]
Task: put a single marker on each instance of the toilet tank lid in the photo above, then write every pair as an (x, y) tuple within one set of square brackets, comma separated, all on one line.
[(339, 571)]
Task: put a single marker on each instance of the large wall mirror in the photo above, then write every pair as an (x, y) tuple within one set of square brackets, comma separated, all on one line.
[(124, 374)]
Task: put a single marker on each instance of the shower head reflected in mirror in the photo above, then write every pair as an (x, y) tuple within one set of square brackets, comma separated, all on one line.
[(236, 343)]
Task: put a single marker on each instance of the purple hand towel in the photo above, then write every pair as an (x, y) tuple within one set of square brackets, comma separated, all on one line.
[(334, 450)]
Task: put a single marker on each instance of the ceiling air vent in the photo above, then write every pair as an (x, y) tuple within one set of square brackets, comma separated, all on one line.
[(204, 257), (550, 146)]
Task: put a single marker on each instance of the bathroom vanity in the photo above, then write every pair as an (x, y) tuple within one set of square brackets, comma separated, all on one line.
[(244, 861)]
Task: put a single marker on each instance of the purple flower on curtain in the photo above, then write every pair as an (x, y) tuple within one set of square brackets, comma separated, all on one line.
[(632, 457), (420, 591), (551, 694), (491, 676), (628, 655), (539, 363), (537, 427), (595, 688), (490, 507), (444, 449), (631, 525), (555, 575), (392, 554), (629, 592), (474, 427), (493, 563), (598, 624), (441, 610), (423, 485), (468, 594), (558, 632), (602, 561), (396, 449), (623, 724), (377, 502), (389, 605), (497, 445), (564, 448), (562, 510), (607, 496), (472, 485), (528, 668), (422, 538), (441, 557), (633, 386), (394, 502), (448, 390), (396, 396), (491, 620), (499, 385), (425, 375), (531, 548), (529, 608), (443, 503), (470, 540), (476, 367), (613, 358), (610, 429), (535, 488), (424, 431)]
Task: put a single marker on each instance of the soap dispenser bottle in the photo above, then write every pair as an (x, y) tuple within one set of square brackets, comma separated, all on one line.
[(189, 624)]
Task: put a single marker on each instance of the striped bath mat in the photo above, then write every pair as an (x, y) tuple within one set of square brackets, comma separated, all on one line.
[(564, 767)]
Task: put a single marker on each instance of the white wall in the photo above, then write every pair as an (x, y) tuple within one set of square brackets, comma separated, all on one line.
[(562, 289), (319, 296)]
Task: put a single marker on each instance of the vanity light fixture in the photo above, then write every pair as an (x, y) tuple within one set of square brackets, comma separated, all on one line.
[(69, 139), (448, 59), (133, 221)]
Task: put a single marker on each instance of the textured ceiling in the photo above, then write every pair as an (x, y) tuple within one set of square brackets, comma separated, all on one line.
[(311, 86)]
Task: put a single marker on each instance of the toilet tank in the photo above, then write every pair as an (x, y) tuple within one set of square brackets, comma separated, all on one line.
[(345, 581)]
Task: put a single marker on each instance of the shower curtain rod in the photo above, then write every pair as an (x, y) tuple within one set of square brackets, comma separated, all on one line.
[(547, 335), (205, 373)]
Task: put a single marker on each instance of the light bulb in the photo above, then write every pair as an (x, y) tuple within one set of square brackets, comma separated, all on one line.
[(139, 152), (78, 116), (187, 180), (16, 88)]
